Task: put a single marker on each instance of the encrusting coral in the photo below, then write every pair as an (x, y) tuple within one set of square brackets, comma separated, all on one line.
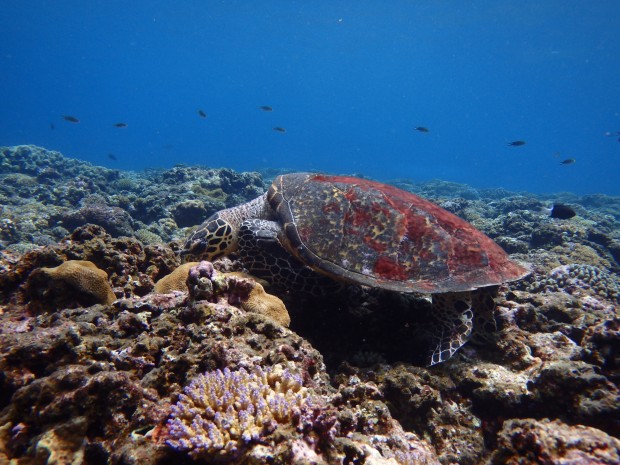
[(223, 412), (206, 283), (82, 276)]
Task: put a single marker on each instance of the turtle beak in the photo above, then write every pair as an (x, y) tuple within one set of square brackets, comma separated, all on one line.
[(194, 247)]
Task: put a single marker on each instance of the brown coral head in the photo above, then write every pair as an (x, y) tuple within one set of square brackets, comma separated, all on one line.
[(175, 281), (252, 298), (72, 284)]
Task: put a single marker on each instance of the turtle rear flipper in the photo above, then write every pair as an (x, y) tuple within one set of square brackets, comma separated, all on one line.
[(453, 325), (459, 317)]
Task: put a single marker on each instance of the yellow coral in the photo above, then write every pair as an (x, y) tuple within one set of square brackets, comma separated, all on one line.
[(266, 304), (175, 281), (85, 277)]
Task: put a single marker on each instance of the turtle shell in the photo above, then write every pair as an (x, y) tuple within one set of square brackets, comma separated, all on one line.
[(377, 235)]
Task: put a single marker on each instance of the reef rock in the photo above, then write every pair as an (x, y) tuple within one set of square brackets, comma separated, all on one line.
[(551, 442)]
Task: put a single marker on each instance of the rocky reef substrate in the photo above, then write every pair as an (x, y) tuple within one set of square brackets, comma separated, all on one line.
[(110, 354)]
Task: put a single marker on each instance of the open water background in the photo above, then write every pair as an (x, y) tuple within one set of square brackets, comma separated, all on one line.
[(347, 80)]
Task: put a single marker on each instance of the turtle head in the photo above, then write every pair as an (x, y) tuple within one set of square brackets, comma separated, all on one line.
[(213, 238), (219, 234)]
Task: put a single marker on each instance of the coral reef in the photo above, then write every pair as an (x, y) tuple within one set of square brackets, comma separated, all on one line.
[(114, 220), (40, 189), (115, 364)]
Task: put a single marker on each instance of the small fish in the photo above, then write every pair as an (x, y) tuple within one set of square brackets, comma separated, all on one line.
[(120, 125), (559, 211), (71, 119), (568, 161), (111, 156), (52, 126), (202, 114), (421, 129), (279, 129), (265, 108), (516, 143)]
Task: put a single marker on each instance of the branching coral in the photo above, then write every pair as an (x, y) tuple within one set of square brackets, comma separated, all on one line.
[(221, 413)]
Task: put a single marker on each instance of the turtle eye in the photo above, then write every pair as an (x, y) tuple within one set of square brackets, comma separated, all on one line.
[(193, 248)]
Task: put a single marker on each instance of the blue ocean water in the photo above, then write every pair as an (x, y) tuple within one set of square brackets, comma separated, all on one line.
[(349, 81)]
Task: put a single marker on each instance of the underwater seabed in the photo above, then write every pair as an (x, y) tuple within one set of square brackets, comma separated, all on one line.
[(102, 365)]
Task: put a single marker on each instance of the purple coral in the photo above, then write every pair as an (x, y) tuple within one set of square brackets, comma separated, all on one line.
[(199, 282), (222, 412)]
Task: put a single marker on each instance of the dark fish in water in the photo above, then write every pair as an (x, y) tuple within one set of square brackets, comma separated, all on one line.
[(421, 129), (202, 114), (568, 161), (52, 126), (279, 129), (71, 119), (120, 125), (111, 156), (516, 143), (265, 108), (559, 211)]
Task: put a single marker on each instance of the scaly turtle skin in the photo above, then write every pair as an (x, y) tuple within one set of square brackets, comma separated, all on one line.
[(311, 226)]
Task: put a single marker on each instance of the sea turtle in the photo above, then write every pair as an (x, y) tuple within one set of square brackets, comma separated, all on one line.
[(307, 227)]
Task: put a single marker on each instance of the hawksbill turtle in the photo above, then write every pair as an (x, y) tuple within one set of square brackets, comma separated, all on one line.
[(309, 230)]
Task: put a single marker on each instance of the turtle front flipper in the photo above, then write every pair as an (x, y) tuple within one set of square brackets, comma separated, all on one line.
[(263, 254), (453, 325)]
